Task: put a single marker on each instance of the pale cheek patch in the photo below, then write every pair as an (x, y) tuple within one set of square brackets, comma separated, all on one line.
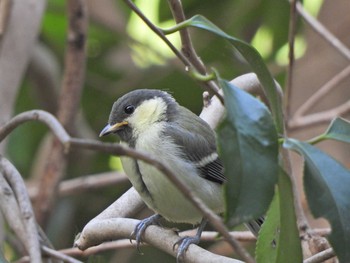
[(147, 113)]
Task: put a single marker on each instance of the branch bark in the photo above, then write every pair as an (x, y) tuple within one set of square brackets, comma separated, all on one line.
[(159, 237), (68, 106), (23, 221), (17, 41), (323, 31)]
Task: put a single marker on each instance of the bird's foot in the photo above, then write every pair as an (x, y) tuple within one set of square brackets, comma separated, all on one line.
[(183, 244), (141, 228)]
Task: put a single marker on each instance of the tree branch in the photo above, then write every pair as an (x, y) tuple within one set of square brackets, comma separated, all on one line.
[(321, 257), (10, 210), (22, 21), (68, 105), (57, 254), (187, 48), (26, 213), (209, 86), (159, 237), (291, 38), (299, 114), (319, 117), (84, 183), (323, 31), (36, 115)]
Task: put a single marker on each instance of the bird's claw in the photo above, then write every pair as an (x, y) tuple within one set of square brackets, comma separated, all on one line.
[(183, 244), (141, 228)]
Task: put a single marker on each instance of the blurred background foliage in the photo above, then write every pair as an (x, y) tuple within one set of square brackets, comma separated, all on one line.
[(123, 55)]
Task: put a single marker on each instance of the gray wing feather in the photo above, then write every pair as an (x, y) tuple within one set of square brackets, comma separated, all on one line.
[(197, 140)]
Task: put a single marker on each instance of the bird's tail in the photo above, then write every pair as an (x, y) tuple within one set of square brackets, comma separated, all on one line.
[(255, 225)]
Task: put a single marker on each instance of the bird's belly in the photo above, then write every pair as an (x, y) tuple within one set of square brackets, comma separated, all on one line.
[(158, 192), (164, 198)]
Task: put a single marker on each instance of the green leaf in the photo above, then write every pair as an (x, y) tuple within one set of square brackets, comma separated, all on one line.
[(339, 129), (248, 145), (266, 250), (280, 225), (326, 184), (288, 246), (253, 58)]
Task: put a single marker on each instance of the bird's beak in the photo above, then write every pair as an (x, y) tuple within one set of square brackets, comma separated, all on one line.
[(112, 128)]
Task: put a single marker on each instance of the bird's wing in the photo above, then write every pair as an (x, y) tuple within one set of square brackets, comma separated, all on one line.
[(197, 141)]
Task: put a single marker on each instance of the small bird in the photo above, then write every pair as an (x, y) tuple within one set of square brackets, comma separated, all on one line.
[(153, 122)]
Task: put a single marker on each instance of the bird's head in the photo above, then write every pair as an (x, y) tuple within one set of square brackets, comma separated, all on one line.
[(137, 110)]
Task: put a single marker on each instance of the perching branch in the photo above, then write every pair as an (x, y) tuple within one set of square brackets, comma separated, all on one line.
[(159, 237), (208, 236), (242, 236)]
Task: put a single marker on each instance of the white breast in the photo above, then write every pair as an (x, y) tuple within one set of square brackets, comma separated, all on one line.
[(161, 196)]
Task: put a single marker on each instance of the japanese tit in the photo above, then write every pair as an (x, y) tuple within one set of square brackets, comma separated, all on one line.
[(153, 122)]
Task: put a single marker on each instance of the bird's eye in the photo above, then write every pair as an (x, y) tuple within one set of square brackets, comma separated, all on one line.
[(129, 109)]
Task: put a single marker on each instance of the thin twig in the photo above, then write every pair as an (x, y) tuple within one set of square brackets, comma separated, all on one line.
[(85, 183), (321, 92), (291, 38), (59, 255), (321, 257), (319, 117), (208, 85), (301, 219), (323, 32), (159, 32), (187, 48)]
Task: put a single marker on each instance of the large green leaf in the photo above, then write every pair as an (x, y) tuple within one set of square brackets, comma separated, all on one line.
[(266, 249), (288, 246), (248, 146), (280, 226), (339, 130), (326, 184), (253, 58)]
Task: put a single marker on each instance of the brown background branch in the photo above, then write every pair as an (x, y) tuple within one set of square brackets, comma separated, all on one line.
[(25, 211), (68, 106)]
